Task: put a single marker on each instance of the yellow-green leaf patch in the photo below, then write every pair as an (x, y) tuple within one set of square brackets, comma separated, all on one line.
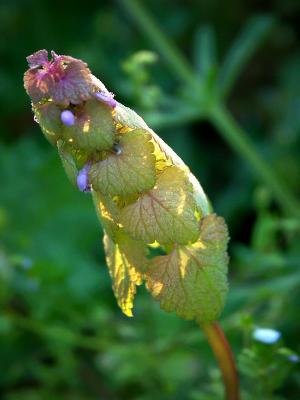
[(192, 280), (127, 118), (131, 171), (94, 127), (68, 161), (166, 213), (108, 213), (125, 259), (48, 116)]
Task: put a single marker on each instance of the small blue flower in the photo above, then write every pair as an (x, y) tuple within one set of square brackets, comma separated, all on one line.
[(106, 98), (266, 335), (27, 263), (293, 358), (67, 118), (83, 178)]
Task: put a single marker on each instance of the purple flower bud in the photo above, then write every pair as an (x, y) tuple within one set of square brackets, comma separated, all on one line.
[(67, 118), (106, 98), (83, 178)]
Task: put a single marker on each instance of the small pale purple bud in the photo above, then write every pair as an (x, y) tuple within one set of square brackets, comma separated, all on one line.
[(67, 118), (83, 178), (106, 98)]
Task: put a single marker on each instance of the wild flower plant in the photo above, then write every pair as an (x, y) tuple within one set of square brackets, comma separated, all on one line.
[(145, 196)]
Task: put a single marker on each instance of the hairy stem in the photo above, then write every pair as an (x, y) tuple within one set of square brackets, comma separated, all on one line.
[(239, 141), (224, 356)]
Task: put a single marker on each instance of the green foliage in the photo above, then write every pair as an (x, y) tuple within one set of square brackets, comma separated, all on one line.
[(127, 173), (96, 124), (140, 86), (126, 259), (142, 189), (264, 367), (166, 214), (249, 40), (192, 280)]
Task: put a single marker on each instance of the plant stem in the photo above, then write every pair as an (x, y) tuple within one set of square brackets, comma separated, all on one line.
[(147, 24), (234, 135), (159, 120), (239, 141), (224, 356)]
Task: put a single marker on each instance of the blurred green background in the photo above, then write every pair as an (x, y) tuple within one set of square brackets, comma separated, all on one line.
[(61, 333)]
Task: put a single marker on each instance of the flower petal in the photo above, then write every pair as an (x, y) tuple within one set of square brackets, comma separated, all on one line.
[(64, 79), (37, 59)]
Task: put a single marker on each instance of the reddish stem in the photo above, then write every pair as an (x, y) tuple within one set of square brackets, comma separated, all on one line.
[(224, 356)]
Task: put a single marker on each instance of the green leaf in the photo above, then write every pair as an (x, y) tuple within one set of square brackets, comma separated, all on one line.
[(205, 50), (126, 261), (48, 116), (249, 40), (202, 201), (126, 120), (191, 280), (167, 213), (131, 171), (94, 128), (108, 213), (125, 117), (68, 162)]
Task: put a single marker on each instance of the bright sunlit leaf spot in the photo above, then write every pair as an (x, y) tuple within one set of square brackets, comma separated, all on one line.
[(86, 126), (131, 171), (94, 127), (166, 213), (108, 213), (126, 260), (191, 280)]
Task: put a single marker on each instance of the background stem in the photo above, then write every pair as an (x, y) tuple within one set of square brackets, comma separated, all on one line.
[(233, 134), (239, 141), (148, 25), (224, 356)]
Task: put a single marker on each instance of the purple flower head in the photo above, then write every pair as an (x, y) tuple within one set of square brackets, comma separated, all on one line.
[(83, 178), (106, 98), (62, 79), (67, 118)]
